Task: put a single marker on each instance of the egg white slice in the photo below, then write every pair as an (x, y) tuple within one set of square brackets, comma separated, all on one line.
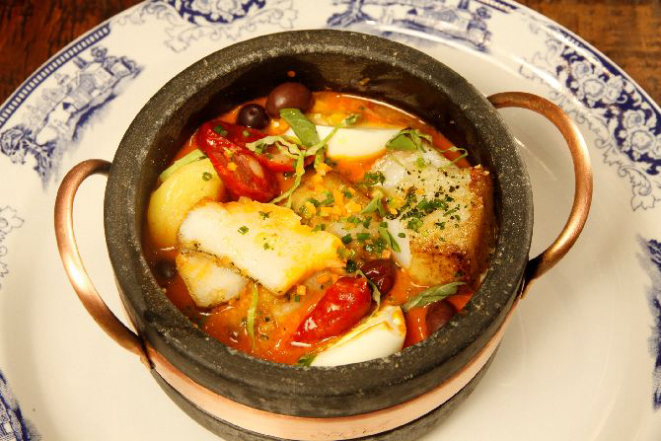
[(209, 283), (266, 242), (380, 335), (354, 143)]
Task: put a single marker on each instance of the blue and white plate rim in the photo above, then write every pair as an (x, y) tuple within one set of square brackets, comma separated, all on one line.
[(643, 114)]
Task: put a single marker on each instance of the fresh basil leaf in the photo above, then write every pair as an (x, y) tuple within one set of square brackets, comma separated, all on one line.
[(401, 142), (408, 140), (195, 155), (301, 125), (431, 295)]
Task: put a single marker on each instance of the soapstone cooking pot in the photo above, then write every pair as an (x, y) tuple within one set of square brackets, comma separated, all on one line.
[(243, 398)]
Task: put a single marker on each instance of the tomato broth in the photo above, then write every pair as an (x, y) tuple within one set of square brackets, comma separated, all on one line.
[(281, 326)]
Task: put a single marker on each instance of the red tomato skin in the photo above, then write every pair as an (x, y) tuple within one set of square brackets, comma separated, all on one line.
[(249, 178), (237, 135), (341, 307)]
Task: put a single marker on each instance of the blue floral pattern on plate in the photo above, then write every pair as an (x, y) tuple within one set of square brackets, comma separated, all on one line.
[(13, 425), (460, 20), (626, 122), (53, 124), (9, 221), (192, 20)]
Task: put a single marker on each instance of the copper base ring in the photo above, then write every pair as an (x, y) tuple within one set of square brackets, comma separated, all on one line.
[(298, 428)]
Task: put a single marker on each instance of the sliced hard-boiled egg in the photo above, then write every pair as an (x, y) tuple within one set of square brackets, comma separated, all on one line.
[(380, 335), (208, 282), (355, 143), (266, 242)]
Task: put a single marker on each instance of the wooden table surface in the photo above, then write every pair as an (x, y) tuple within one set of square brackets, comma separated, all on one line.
[(627, 31)]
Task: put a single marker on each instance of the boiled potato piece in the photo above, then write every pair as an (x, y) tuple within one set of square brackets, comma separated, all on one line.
[(177, 195)]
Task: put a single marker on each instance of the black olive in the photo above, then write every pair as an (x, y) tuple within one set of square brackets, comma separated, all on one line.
[(166, 269), (288, 96), (381, 272), (439, 314), (252, 115)]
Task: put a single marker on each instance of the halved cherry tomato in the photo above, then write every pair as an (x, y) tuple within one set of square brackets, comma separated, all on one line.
[(341, 307), (238, 167), (272, 157)]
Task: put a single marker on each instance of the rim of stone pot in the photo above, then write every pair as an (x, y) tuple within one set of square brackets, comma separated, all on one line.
[(291, 389)]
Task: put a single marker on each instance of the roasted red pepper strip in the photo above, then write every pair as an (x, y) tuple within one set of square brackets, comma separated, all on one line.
[(238, 167), (341, 307)]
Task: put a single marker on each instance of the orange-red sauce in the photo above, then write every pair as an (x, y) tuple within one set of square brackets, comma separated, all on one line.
[(273, 337)]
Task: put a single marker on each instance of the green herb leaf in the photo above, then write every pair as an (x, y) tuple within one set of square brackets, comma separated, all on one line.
[(301, 125), (374, 205), (347, 239), (329, 199), (370, 179), (351, 266), (376, 294), (464, 153), (408, 140), (220, 130), (319, 159), (286, 145), (195, 155), (392, 243), (252, 310), (362, 237), (265, 214), (414, 224), (431, 295), (300, 171), (243, 229), (306, 360), (206, 176)]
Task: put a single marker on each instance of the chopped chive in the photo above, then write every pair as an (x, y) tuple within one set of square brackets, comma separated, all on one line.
[(243, 229), (250, 322), (362, 237), (220, 130)]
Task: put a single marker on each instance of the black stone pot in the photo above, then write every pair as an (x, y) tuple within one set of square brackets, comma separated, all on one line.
[(189, 364)]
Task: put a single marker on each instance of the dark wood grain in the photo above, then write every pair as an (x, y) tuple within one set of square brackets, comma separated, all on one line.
[(626, 31)]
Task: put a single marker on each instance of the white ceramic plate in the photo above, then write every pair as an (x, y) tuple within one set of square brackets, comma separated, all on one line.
[(582, 357)]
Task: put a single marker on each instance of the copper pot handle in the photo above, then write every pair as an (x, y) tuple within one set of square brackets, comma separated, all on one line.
[(73, 264), (582, 179)]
